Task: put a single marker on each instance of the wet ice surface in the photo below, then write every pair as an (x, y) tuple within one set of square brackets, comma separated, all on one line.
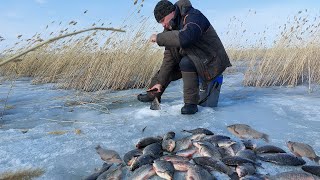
[(117, 119)]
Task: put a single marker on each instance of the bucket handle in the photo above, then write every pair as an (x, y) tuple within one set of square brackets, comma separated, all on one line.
[(215, 85)]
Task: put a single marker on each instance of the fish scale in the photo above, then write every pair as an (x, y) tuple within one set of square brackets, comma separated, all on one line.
[(282, 159), (164, 169)]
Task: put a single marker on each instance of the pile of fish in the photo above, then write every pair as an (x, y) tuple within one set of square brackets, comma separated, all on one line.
[(202, 154)]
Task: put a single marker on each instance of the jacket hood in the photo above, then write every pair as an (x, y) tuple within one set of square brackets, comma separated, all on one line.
[(184, 6)]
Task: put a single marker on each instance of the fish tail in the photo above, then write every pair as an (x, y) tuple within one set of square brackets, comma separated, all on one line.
[(233, 176), (317, 159), (265, 137), (185, 131), (98, 146)]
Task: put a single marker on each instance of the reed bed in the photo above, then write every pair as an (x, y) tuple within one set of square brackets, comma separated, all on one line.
[(285, 67), (291, 60), (89, 61), (93, 62), (103, 60)]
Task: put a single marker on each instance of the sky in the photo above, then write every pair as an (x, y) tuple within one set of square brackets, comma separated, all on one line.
[(26, 17)]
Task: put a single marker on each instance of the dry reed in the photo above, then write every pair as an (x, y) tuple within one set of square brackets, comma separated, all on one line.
[(90, 64), (101, 61), (26, 174), (57, 132), (292, 60)]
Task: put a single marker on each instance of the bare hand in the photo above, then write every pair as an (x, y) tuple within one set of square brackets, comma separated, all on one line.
[(153, 38), (156, 88)]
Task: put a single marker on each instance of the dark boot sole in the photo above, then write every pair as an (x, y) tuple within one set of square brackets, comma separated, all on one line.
[(188, 113)]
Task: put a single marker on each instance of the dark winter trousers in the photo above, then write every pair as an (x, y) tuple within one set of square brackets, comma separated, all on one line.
[(185, 69), (185, 65)]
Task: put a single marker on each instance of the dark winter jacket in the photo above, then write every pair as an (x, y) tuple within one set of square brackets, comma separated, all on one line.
[(193, 36)]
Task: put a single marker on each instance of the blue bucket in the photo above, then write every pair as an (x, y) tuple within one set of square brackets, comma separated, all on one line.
[(210, 92)]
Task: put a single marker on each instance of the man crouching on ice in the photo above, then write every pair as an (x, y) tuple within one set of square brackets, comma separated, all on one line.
[(193, 51)]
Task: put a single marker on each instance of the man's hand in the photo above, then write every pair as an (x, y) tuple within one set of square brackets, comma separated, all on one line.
[(153, 38), (156, 88)]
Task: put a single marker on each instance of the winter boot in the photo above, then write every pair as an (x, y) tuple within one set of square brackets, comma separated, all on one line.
[(190, 92), (189, 109)]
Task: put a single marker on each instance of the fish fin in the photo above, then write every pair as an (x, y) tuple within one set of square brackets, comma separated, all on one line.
[(259, 165), (233, 176), (121, 164), (317, 160), (260, 158), (296, 154), (183, 130), (265, 137)]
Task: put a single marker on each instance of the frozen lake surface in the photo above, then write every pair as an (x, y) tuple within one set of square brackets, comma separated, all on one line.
[(115, 121)]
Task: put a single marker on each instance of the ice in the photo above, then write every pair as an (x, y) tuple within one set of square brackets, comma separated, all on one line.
[(146, 113), (116, 120)]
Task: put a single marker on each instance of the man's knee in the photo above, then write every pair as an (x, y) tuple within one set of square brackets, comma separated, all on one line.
[(186, 65)]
